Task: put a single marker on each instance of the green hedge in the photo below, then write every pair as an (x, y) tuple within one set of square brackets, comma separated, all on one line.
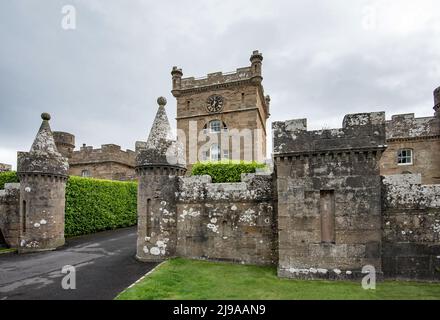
[(8, 177), (94, 205), (225, 171)]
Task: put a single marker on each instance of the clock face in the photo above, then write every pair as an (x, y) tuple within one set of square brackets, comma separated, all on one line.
[(215, 103)]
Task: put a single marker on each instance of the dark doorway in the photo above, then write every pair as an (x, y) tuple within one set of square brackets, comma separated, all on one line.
[(2, 240)]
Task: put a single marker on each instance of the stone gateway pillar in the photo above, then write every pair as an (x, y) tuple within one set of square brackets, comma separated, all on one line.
[(43, 175), (159, 163)]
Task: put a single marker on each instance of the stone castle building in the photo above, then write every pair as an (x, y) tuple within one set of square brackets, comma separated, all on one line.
[(5, 167), (109, 162), (337, 200), (229, 110)]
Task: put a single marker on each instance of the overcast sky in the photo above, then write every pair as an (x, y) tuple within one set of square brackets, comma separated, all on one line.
[(322, 60)]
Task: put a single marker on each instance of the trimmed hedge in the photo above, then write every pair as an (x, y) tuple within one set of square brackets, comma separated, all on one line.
[(95, 205), (225, 171), (8, 177)]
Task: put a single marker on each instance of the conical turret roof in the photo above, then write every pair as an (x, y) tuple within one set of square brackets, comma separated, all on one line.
[(43, 156), (161, 129), (161, 148)]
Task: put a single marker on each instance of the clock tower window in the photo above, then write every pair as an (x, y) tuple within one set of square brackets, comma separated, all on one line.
[(215, 152)]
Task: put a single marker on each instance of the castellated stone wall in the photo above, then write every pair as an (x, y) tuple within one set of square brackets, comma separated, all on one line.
[(329, 197), (227, 221), (5, 167), (422, 137), (10, 220), (108, 162), (411, 228)]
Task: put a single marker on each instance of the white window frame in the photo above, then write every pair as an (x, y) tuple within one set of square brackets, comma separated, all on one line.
[(85, 174), (214, 124), (406, 156), (218, 151)]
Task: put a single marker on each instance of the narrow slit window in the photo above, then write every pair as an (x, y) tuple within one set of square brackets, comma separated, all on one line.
[(327, 210), (149, 218), (24, 215)]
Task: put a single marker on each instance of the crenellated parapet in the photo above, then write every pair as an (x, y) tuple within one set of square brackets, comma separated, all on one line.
[(253, 187), (407, 127), (251, 74), (359, 132)]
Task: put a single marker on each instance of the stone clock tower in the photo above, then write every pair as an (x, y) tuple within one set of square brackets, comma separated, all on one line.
[(222, 116)]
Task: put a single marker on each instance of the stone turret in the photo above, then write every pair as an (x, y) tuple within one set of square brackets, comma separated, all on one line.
[(65, 143), (43, 175), (177, 75), (256, 65), (159, 163), (437, 102)]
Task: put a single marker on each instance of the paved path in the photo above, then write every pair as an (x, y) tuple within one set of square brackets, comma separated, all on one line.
[(105, 265)]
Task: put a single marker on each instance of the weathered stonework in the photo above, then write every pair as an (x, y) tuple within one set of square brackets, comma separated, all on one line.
[(245, 111), (329, 200), (43, 174), (5, 167), (10, 220), (422, 136), (411, 228), (227, 221), (158, 164), (108, 162)]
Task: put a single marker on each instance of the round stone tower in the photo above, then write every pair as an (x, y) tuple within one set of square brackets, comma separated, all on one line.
[(65, 143), (437, 102), (177, 75), (43, 174), (256, 65), (158, 167)]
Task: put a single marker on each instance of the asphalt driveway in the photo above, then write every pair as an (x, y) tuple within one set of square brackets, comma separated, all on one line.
[(104, 263)]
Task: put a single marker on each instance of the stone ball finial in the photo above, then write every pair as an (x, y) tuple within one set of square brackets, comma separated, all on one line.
[(45, 116), (161, 101)]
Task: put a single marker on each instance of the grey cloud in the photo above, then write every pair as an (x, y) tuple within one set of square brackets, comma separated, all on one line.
[(101, 81)]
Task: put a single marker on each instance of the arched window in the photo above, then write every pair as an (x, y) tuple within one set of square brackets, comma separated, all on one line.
[(215, 126), (215, 152), (405, 157), (85, 173)]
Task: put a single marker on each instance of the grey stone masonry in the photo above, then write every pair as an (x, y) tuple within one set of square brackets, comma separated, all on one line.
[(5, 167), (329, 198), (407, 126), (411, 228), (10, 220), (227, 221), (158, 164), (437, 101), (43, 174), (359, 131)]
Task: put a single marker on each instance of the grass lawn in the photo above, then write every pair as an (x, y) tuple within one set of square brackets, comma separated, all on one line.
[(6, 250), (202, 280)]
